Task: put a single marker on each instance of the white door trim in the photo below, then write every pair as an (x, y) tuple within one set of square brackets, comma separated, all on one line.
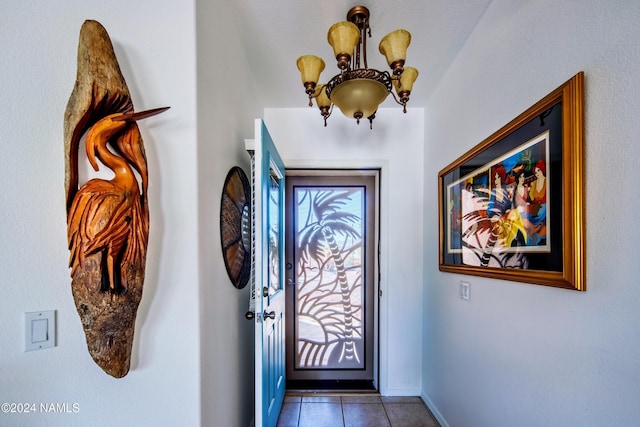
[(382, 381)]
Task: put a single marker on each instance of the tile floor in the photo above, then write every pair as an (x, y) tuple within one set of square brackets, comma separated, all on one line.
[(353, 410)]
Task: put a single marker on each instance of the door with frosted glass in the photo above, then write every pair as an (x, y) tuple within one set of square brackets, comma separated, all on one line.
[(331, 245)]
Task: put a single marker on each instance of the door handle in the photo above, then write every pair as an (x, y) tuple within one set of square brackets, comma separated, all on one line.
[(270, 315)]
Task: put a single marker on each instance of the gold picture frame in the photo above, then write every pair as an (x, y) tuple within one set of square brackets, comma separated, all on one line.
[(512, 207)]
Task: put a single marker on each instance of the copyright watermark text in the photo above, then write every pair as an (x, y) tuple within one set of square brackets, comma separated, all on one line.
[(46, 408)]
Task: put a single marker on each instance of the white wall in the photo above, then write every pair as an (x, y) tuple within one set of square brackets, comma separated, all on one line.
[(520, 354), (226, 111), (37, 74), (396, 146)]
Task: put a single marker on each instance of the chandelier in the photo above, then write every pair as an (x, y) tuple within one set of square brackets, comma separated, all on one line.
[(357, 91)]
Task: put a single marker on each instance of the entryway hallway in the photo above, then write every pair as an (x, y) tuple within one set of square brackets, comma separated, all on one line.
[(353, 410)]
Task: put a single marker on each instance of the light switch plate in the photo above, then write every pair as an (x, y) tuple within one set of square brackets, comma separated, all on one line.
[(465, 290), (40, 330)]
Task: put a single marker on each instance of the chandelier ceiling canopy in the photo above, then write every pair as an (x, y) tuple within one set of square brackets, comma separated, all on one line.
[(358, 91)]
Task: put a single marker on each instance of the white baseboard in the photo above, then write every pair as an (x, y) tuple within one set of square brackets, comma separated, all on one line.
[(401, 392), (434, 410)]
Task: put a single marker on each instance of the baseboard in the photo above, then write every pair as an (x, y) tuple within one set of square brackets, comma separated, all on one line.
[(401, 392), (434, 410)]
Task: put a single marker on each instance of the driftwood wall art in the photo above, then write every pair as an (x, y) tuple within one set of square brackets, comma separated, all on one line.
[(107, 219)]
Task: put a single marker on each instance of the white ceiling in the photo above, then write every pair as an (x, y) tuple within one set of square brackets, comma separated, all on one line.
[(276, 32)]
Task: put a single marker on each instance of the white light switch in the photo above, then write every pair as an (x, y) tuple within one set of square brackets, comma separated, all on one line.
[(40, 330)]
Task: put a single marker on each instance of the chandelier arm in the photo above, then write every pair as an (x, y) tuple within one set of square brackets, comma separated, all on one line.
[(397, 78), (403, 103), (326, 116), (311, 96)]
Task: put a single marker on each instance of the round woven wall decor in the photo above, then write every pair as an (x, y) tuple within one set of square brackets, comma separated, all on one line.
[(235, 226)]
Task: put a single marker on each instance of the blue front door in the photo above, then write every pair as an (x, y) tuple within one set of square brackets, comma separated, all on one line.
[(268, 230)]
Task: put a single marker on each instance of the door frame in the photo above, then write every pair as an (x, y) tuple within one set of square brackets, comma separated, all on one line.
[(380, 324), (375, 237)]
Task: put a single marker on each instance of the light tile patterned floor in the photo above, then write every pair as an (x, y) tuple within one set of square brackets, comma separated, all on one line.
[(353, 410)]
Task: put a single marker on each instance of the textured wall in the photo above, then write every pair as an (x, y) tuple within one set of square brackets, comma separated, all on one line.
[(226, 114), (38, 69), (526, 355)]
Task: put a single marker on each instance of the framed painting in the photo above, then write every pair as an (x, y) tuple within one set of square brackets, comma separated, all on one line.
[(512, 207)]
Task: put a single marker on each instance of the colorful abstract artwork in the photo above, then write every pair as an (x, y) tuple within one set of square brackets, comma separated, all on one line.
[(512, 207)]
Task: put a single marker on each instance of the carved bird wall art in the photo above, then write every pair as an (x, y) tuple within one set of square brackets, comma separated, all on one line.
[(106, 216), (107, 219)]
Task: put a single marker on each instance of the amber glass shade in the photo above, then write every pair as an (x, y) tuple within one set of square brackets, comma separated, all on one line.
[(394, 45), (321, 96), (359, 96), (343, 37), (407, 78), (310, 67)]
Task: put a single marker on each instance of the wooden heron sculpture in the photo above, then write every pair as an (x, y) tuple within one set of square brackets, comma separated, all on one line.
[(107, 220), (106, 216)]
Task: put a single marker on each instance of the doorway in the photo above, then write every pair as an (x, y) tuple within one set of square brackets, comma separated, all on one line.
[(331, 271)]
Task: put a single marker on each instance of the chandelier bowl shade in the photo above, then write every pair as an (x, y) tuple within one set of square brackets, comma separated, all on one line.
[(394, 47), (359, 98)]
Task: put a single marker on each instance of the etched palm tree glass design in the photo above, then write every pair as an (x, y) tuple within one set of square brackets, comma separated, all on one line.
[(329, 227), (274, 234)]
